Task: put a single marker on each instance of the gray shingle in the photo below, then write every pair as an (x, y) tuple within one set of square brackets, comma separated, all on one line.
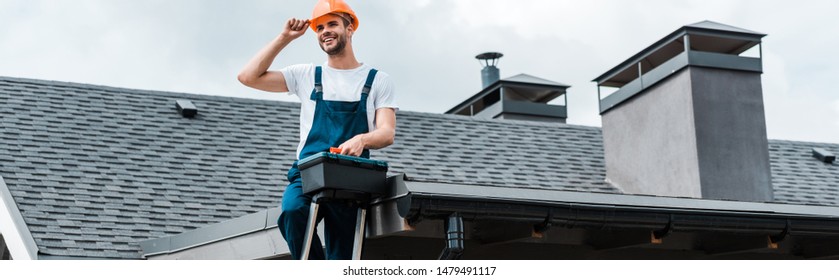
[(96, 169), (799, 178)]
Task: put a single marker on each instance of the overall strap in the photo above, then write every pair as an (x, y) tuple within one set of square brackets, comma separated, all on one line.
[(318, 80), (369, 83), (318, 92)]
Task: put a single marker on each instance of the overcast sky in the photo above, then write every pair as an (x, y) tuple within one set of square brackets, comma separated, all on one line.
[(428, 47)]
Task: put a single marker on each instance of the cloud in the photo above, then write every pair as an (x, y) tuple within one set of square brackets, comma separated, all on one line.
[(836, 112), (428, 47)]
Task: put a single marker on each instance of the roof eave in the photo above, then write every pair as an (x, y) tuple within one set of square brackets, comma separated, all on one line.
[(414, 202), (475, 97), (220, 232), (15, 232), (616, 201)]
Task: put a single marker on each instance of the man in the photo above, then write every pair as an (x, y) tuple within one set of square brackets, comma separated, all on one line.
[(344, 104)]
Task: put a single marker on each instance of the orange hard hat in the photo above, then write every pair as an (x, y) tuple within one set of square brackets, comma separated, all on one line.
[(325, 7)]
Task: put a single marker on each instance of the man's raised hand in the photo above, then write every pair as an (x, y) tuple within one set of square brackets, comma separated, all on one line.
[(295, 28)]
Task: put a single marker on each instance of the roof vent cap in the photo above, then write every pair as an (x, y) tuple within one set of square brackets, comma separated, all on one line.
[(823, 155), (186, 108), (490, 74)]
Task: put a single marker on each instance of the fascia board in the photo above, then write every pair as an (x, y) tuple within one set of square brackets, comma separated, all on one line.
[(18, 239)]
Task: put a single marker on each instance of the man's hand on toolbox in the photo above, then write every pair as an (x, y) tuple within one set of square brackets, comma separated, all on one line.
[(353, 147)]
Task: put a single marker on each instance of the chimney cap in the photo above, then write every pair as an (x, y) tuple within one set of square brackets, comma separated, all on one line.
[(533, 81), (708, 36), (716, 26), (489, 58), (704, 44), (540, 90), (489, 55)]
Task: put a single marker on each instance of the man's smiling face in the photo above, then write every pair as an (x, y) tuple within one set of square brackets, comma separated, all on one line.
[(333, 34)]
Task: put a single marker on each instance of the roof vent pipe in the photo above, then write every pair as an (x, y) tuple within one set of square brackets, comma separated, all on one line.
[(490, 74), (454, 238)]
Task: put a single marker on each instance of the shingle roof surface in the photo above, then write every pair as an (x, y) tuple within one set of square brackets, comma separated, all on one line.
[(799, 178), (457, 149), (96, 169)]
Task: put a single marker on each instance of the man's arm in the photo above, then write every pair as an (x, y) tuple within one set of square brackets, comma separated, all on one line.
[(256, 74), (379, 138)]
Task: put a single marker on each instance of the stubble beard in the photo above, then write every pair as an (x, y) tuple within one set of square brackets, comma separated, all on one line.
[(338, 48)]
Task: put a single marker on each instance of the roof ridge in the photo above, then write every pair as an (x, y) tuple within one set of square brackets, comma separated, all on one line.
[(114, 89), (124, 90), (502, 121), (803, 142)]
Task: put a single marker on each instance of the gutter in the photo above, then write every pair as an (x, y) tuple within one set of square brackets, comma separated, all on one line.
[(546, 208), (15, 232), (408, 203), (241, 226)]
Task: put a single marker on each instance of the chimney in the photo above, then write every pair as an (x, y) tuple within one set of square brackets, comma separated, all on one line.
[(490, 73), (687, 118), (521, 97)]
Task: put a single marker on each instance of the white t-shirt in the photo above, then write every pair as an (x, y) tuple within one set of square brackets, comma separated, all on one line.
[(338, 85)]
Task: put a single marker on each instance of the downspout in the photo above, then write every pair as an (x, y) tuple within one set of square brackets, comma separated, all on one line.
[(454, 238), (19, 240)]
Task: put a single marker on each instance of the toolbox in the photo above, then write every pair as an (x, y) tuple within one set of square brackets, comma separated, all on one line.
[(335, 172)]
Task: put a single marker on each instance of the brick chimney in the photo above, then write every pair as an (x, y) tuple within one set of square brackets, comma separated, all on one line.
[(687, 119)]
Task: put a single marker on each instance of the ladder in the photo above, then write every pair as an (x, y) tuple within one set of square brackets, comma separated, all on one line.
[(360, 221)]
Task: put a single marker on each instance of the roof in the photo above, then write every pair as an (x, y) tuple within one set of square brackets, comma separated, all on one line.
[(529, 79), (798, 178), (95, 170), (711, 25)]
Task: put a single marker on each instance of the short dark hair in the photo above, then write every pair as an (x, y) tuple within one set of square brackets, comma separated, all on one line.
[(345, 17)]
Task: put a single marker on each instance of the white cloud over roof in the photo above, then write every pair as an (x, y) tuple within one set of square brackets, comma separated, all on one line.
[(428, 47)]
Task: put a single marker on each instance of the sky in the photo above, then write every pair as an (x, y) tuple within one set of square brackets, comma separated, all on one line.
[(427, 46)]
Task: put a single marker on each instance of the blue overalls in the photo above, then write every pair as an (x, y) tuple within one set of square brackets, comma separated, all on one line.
[(334, 123)]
